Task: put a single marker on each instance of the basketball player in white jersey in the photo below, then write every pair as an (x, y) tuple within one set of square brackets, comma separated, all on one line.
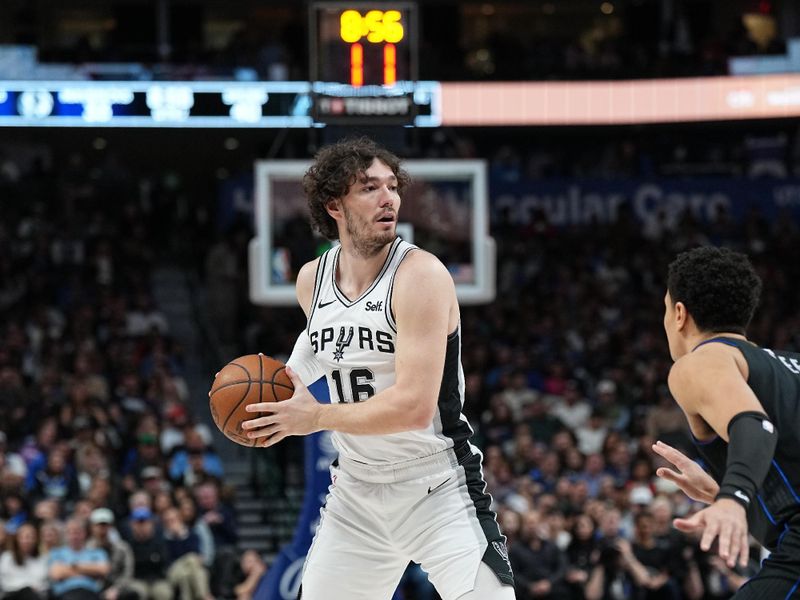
[(383, 327)]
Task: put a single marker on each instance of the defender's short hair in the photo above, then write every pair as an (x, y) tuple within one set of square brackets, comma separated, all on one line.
[(718, 286)]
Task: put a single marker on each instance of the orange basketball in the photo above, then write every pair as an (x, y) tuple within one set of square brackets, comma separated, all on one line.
[(245, 380)]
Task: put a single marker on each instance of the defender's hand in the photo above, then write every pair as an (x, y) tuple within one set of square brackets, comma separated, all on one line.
[(299, 415), (727, 520), (693, 480)]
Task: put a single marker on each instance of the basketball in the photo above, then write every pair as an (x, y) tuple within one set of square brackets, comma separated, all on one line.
[(245, 380)]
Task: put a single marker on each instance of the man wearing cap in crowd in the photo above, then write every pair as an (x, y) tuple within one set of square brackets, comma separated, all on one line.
[(150, 557), (153, 480), (119, 552)]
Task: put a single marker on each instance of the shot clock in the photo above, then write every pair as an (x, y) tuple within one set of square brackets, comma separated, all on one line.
[(363, 59)]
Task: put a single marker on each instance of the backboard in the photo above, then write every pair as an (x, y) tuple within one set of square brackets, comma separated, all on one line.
[(443, 211)]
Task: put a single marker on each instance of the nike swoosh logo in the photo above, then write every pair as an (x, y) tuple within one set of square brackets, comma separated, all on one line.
[(433, 489), (323, 305)]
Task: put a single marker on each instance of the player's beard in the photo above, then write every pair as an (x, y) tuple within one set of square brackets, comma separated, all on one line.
[(366, 241)]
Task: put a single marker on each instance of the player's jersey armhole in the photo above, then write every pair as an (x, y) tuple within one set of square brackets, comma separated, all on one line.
[(317, 287), (705, 441), (388, 307)]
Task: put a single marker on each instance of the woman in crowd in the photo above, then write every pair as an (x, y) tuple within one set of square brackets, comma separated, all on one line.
[(23, 572)]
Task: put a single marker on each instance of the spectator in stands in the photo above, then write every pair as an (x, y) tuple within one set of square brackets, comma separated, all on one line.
[(150, 558), (579, 555), (221, 521), (254, 571), (217, 514), (185, 570), (498, 422), (196, 462), (153, 481), (51, 534), (144, 318), (87, 370), (14, 510), (101, 493), (137, 500), (543, 426), (77, 572), (592, 435), (35, 449), (500, 480), (161, 500), (13, 469), (571, 408), (57, 479), (145, 454), (722, 581), (665, 421), (517, 395), (23, 571), (616, 573), (656, 557), (119, 553), (616, 413), (188, 509), (618, 459), (90, 463), (172, 431), (547, 471), (593, 474), (539, 565)]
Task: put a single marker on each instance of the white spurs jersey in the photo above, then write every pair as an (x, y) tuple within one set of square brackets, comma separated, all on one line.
[(355, 341)]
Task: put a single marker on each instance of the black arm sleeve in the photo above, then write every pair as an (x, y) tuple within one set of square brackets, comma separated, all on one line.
[(750, 450)]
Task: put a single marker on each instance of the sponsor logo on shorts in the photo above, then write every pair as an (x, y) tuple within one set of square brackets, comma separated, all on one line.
[(433, 489), (502, 550)]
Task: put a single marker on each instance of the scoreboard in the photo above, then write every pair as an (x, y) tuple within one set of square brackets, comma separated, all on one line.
[(366, 54), (206, 104)]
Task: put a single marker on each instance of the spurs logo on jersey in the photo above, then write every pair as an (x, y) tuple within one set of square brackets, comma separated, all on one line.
[(342, 343), (355, 341)]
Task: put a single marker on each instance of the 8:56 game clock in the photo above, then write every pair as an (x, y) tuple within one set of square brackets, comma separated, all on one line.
[(370, 51)]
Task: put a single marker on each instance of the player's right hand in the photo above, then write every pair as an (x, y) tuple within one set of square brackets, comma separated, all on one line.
[(298, 415), (726, 521), (690, 477)]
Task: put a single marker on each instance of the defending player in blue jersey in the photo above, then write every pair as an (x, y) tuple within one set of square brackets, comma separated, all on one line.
[(743, 407)]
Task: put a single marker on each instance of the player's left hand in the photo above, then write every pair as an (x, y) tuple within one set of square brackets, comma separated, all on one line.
[(725, 519), (299, 415)]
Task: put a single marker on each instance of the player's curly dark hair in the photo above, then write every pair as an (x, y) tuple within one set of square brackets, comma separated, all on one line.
[(718, 286), (335, 169)]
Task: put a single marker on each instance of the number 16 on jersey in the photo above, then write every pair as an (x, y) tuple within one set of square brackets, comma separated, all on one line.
[(353, 385)]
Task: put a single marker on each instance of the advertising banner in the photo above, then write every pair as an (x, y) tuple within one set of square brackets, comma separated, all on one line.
[(571, 202)]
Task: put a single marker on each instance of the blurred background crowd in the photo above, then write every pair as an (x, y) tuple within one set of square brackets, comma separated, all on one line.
[(123, 287), (565, 376)]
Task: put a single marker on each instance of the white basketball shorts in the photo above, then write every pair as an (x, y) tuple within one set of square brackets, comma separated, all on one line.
[(433, 511)]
